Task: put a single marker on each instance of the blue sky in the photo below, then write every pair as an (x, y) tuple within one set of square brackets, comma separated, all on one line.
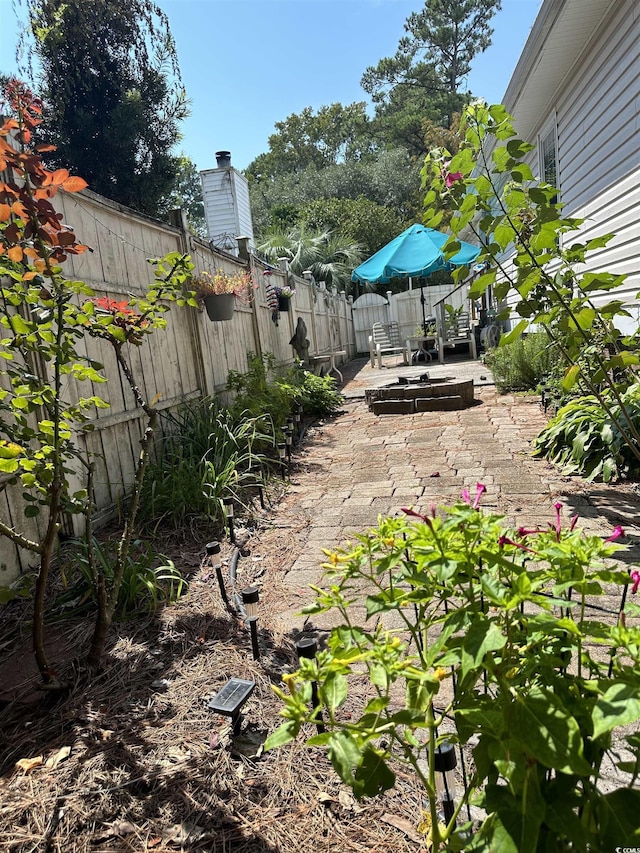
[(249, 63)]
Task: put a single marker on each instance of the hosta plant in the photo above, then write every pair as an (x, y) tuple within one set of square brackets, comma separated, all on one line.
[(491, 639), (583, 439)]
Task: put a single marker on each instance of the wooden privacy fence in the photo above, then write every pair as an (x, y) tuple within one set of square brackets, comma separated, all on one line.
[(189, 359)]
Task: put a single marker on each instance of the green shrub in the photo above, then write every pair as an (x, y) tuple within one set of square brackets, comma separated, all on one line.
[(255, 394), (523, 364), (209, 452), (318, 395), (494, 647), (145, 583), (583, 439)]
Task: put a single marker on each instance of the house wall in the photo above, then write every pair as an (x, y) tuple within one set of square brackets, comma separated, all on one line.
[(190, 358), (596, 110), (598, 115)]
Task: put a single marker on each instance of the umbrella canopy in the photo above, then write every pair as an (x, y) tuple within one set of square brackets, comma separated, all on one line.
[(417, 252)]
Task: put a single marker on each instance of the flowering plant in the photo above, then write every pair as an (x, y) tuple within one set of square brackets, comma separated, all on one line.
[(284, 291), (208, 284), (498, 640)]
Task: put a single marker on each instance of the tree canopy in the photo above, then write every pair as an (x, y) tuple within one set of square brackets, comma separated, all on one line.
[(109, 76), (434, 57)]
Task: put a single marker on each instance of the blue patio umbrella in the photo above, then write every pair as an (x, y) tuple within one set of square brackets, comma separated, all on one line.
[(416, 253)]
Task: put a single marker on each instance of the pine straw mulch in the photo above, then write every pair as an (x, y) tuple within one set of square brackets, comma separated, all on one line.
[(151, 768)]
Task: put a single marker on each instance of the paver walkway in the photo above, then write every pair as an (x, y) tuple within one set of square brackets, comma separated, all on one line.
[(360, 466)]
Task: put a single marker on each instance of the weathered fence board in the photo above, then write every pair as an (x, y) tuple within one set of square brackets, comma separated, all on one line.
[(191, 357)]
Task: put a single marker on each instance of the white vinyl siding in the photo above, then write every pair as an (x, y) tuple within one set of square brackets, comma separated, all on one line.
[(599, 145)]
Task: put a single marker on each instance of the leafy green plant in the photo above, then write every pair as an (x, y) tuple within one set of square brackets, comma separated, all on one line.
[(499, 647), (256, 394), (208, 453), (145, 583), (523, 364), (531, 251), (583, 439), (318, 395), (44, 317)]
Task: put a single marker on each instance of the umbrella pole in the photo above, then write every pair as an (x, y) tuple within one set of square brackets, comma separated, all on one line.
[(424, 313)]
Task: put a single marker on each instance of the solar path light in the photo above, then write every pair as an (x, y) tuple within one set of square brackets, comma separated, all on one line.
[(228, 511), (250, 598), (444, 764), (213, 555), (307, 648)]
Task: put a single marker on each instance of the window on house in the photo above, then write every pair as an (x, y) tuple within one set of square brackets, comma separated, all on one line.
[(549, 158)]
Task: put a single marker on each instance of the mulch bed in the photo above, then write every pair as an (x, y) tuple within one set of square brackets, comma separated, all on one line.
[(132, 759)]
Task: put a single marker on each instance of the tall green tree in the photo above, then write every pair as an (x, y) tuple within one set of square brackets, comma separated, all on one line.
[(187, 194), (369, 224), (432, 60), (109, 76), (333, 134)]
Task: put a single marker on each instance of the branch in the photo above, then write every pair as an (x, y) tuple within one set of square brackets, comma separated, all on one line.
[(19, 539)]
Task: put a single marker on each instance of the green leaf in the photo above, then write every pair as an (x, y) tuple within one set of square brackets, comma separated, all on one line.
[(619, 825), (373, 777), (334, 690), (514, 334), (618, 706), (550, 733), (283, 734), (571, 377), (344, 755), (483, 636)]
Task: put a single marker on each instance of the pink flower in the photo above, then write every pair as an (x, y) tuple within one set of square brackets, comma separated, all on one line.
[(635, 577), (524, 531), (408, 511), (617, 533), (558, 507), (451, 177), (573, 523), (480, 490), (504, 540)]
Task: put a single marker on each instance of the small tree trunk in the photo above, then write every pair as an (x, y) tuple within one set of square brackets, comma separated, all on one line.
[(48, 546)]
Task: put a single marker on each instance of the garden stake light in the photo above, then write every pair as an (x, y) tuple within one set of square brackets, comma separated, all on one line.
[(282, 453), (298, 417), (445, 763), (289, 442), (250, 598), (213, 553), (230, 700), (307, 648), (228, 511)]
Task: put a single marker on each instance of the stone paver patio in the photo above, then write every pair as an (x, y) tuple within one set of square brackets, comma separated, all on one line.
[(360, 466)]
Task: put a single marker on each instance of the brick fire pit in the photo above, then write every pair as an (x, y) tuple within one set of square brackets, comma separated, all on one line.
[(421, 394)]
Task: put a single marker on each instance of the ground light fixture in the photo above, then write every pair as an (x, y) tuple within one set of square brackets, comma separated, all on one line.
[(250, 599), (228, 511), (307, 648), (215, 561), (230, 700), (444, 763), (282, 453), (288, 437)]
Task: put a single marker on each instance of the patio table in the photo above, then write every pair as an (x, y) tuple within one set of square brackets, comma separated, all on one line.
[(426, 343), (330, 357)]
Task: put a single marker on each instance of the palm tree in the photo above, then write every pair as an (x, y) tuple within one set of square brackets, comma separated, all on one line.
[(331, 257)]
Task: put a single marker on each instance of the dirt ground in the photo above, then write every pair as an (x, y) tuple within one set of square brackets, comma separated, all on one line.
[(133, 760)]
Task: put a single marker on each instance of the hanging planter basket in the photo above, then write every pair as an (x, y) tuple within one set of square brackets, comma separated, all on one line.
[(220, 306), (283, 303)]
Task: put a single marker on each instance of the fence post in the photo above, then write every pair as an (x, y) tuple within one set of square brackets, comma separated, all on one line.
[(245, 255)]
